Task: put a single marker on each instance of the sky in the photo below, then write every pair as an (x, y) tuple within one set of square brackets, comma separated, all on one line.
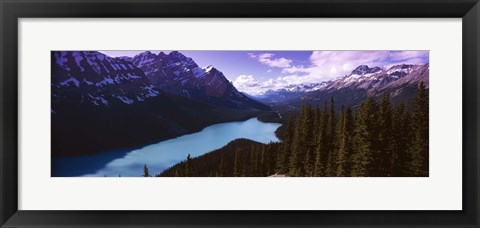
[(255, 72)]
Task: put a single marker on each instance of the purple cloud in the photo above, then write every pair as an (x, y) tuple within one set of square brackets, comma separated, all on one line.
[(266, 58)]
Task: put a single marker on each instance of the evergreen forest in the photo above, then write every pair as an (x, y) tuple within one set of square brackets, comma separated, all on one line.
[(373, 139)]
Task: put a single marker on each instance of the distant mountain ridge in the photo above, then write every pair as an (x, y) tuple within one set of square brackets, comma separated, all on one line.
[(375, 79), (363, 77), (400, 81)]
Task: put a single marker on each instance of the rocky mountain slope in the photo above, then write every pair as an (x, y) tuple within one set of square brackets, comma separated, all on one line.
[(180, 75)]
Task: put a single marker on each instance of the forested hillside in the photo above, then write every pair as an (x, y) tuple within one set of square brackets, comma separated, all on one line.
[(375, 139)]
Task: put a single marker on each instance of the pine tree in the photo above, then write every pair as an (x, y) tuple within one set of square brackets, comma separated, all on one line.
[(342, 151), (310, 143), (384, 144), (294, 164), (419, 150), (348, 130), (236, 170), (322, 143), (317, 123), (317, 169), (401, 129), (270, 160), (330, 140), (253, 172), (188, 168), (145, 171), (285, 150), (309, 163), (245, 164), (298, 145), (363, 140), (222, 168), (261, 165)]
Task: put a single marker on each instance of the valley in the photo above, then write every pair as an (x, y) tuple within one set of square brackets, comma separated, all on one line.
[(105, 109), (112, 104)]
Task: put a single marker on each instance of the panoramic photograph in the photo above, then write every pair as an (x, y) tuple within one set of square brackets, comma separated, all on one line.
[(255, 113)]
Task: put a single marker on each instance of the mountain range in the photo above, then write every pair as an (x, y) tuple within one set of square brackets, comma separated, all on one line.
[(94, 78), (100, 103), (400, 81)]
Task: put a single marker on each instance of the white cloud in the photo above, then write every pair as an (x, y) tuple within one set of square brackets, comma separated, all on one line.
[(267, 59), (327, 65), (250, 85), (247, 84)]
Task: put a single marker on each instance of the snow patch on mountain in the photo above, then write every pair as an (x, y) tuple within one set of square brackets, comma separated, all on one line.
[(70, 81), (95, 78), (78, 59)]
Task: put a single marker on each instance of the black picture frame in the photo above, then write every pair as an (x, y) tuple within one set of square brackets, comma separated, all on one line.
[(12, 10)]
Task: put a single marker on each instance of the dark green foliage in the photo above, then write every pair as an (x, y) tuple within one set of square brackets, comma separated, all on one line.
[(419, 149), (222, 168), (236, 170), (145, 171), (284, 152), (385, 141), (317, 168), (310, 142), (298, 147), (364, 139), (374, 139), (345, 143), (321, 149), (245, 153), (188, 167), (330, 139), (402, 135)]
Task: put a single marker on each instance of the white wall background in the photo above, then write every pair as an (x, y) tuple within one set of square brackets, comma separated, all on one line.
[(441, 191)]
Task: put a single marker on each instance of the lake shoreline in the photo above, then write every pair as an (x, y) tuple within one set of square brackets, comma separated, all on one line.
[(230, 130), (256, 114)]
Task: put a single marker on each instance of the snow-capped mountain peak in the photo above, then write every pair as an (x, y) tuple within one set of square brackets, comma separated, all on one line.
[(177, 74), (208, 68), (161, 54), (177, 55), (364, 69), (405, 68), (144, 58), (125, 58)]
